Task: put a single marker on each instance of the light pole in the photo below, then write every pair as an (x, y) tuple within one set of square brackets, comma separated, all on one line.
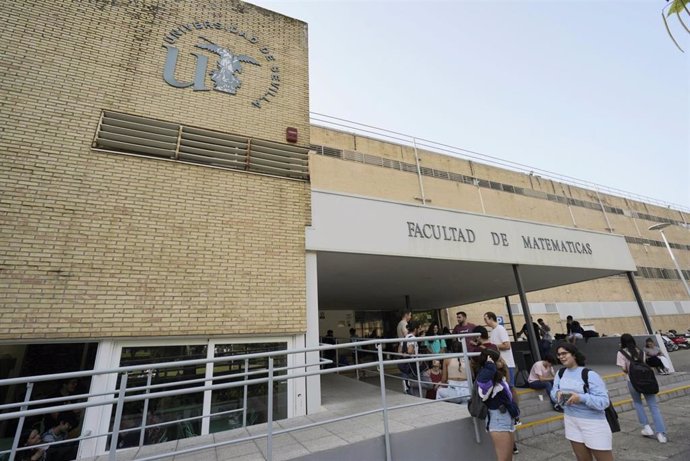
[(660, 227)]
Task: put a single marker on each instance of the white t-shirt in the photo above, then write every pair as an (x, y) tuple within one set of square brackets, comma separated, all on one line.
[(498, 336), (402, 328), (407, 344)]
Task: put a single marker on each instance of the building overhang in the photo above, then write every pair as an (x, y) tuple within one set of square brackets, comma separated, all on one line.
[(371, 253)]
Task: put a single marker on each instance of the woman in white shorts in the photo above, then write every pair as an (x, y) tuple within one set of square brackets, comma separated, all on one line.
[(584, 418)]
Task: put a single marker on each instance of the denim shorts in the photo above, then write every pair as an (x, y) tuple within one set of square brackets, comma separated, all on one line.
[(500, 422)]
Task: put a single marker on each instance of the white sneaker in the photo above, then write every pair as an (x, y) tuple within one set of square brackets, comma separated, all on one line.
[(647, 431), (661, 438)]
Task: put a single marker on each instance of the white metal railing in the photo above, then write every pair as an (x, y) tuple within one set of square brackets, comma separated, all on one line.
[(119, 397)]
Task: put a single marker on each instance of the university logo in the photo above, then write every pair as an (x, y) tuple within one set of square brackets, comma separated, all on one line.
[(228, 67)]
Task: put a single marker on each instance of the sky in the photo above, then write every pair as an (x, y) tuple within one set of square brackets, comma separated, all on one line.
[(594, 90)]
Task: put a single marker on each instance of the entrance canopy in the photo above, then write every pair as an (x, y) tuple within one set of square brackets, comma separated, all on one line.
[(372, 253)]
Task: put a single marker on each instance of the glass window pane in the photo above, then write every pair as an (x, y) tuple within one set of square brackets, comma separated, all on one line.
[(23, 360), (231, 401), (167, 411)]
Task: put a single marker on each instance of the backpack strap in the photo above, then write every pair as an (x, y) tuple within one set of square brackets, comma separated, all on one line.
[(627, 355), (584, 376)]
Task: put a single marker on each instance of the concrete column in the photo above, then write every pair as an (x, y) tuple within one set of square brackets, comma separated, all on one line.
[(640, 304), (532, 336), (313, 383), (510, 316), (97, 419)]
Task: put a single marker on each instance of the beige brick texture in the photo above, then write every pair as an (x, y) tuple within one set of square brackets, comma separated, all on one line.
[(97, 245)]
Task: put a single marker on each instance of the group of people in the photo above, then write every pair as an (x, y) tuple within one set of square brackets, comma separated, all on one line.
[(579, 393), (449, 378), (54, 427)]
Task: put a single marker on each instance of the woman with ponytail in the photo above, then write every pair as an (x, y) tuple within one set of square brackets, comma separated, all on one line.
[(629, 351)]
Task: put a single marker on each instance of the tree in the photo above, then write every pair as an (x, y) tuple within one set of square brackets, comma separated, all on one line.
[(676, 7)]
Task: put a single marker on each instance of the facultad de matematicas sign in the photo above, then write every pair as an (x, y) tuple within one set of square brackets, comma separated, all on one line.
[(351, 224)]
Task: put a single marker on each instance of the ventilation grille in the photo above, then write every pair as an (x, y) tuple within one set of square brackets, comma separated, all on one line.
[(153, 138)]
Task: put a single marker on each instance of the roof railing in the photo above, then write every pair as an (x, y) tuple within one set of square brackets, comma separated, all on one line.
[(341, 124)]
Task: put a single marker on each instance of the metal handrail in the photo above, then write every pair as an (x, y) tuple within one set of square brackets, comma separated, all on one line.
[(119, 397)]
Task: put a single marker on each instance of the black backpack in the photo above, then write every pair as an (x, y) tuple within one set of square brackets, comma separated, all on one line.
[(476, 406), (521, 378), (641, 375)]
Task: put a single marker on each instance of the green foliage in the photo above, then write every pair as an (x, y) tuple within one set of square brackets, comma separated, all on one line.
[(678, 6)]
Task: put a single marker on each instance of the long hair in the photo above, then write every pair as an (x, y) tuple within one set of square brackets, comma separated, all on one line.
[(628, 343), (430, 331), (495, 356), (579, 357)]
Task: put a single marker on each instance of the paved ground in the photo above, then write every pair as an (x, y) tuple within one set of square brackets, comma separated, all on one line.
[(628, 445)]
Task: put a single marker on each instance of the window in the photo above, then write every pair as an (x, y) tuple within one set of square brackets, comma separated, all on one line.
[(167, 410), (257, 394), (22, 360), (179, 416)]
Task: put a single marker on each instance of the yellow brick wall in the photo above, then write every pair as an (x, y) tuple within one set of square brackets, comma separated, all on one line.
[(96, 245)]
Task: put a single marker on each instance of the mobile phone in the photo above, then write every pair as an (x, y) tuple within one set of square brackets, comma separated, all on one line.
[(565, 396)]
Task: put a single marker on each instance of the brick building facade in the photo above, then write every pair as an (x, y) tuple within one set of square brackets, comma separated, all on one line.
[(158, 172)]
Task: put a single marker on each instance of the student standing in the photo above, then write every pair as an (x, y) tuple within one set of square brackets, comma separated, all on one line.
[(436, 346), (463, 326), (494, 390), (401, 330), (499, 337), (584, 419), (629, 346)]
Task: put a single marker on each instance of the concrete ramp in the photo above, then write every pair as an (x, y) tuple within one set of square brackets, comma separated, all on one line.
[(431, 431), (434, 430)]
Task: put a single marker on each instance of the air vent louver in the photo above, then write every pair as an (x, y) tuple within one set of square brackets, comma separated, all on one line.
[(133, 134)]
